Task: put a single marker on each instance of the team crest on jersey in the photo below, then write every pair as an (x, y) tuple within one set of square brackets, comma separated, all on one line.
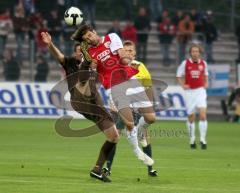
[(200, 67), (107, 44)]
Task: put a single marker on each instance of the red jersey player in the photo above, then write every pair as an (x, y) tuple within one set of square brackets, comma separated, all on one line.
[(117, 77), (192, 75)]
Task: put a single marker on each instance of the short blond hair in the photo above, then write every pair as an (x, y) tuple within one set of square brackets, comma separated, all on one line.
[(129, 43)]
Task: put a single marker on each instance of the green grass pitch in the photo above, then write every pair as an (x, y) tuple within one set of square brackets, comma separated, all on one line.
[(34, 159)]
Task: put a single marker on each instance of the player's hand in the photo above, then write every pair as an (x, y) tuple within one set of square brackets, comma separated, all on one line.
[(93, 64), (186, 86), (206, 85), (84, 48), (46, 38)]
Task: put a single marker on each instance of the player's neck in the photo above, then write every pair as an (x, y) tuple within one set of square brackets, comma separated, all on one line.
[(100, 40), (195, 60)]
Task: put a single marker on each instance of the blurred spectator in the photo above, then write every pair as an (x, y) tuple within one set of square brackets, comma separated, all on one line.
[(61, 7), (68, 43), (42, 70), (128, 7), (44, 7), (29, 7), (197, 19), (89, 9), (237, 32), (210, 32), (20, 26), (234, 98), (11, 66), (115, 28), (41, 46), (71, 3), (177, 17), (156, 9), (34, 20), (185, 31), (54, 26), (5, 29), (142, 24), (167, 32), (162, 16), (130, 32)]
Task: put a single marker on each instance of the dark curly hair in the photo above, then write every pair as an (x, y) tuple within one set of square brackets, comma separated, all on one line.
[(79, 33)]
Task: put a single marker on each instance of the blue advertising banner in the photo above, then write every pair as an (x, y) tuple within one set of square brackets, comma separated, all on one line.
[(218, 80), (32, 100)]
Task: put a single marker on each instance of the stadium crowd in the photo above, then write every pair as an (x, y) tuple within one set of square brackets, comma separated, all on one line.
[(28, 18)]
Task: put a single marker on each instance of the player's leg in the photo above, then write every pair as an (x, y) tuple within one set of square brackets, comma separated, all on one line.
[(144, 140), (191, 105), (191, 130), (148, 113), (147, 149), (203, 127), (202, 106), (148, 117), (108, 127), (127, 117), (120, 126), (121, 98), (112, 138)]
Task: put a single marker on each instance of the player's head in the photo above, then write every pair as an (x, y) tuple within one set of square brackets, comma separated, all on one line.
[(130, 49), (86, 33), (77, 52), (195, 51)]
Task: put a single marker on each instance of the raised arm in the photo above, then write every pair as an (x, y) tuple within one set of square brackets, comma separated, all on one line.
[(46, 38), (117, 46)]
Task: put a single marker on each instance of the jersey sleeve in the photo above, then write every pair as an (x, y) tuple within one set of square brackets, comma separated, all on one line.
[(181, 70), (116, 42), (206, 69)]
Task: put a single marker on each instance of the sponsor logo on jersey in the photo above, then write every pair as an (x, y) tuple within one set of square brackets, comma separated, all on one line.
[(103, 54), (195, 73)]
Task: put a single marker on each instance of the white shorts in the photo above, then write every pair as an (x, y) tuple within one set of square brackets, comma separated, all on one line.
[(128, 94), (195, 98)]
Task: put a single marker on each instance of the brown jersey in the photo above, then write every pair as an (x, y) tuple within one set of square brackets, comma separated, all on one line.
[(85, 98)]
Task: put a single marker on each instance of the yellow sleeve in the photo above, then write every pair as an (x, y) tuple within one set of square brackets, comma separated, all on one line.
[(144, 76)]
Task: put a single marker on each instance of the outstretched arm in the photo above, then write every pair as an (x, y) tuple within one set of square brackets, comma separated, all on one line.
[(52, 48)]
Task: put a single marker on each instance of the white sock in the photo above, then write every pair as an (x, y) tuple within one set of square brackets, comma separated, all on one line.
[(203, 130), (191, 131), (133, 140), (142, 125)]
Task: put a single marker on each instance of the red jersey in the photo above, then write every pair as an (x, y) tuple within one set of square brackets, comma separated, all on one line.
[(194, 73), (109, 66)]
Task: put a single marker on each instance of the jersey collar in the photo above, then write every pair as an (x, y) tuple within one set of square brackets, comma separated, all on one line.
[(190, 59)]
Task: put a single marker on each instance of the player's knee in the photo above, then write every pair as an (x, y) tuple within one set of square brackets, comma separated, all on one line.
[(150, 118), (129, 125), (202, 117), (115, 137), (191, 118)]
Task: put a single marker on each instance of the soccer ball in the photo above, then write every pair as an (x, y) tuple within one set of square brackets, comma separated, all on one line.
[(73, 16)]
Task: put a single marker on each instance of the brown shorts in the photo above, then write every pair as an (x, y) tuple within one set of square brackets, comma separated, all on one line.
[(93, 109)]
